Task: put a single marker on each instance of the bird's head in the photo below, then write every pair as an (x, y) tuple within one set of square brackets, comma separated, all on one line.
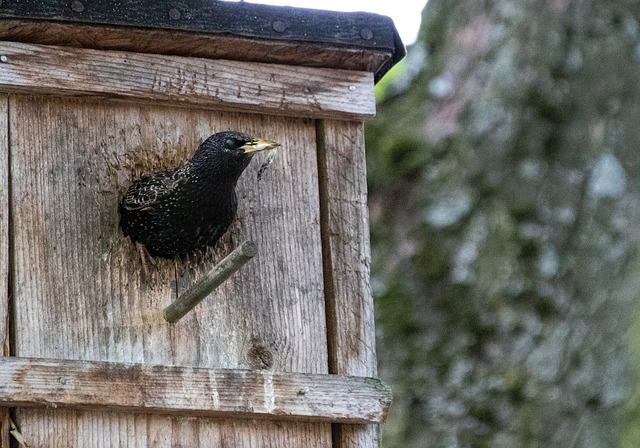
[(230, 150)]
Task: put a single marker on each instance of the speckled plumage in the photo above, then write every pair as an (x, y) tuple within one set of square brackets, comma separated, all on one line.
[(187, 209)]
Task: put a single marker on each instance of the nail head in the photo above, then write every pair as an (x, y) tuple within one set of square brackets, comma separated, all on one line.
[(3, 58), (279, 26), (352, 88), (174, 14), (77, 6), (366, 33)]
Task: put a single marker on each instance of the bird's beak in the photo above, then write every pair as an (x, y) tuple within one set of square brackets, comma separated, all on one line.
[(258, 144)]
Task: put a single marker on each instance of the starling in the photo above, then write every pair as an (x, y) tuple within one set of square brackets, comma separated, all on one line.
[(187, 209)]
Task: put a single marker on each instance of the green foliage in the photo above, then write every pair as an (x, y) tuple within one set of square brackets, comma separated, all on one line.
[(389, 79), (399, 154)]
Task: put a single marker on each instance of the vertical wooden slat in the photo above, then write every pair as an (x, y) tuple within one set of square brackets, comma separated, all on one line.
[(346, 252), (78, 284), (4, 252)]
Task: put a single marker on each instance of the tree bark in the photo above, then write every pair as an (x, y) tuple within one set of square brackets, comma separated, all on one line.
[(504, 196)]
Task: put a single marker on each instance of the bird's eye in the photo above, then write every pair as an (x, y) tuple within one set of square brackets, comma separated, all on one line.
[(231, 143)]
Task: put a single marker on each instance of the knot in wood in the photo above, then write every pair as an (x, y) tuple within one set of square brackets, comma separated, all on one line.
[(260, 357)]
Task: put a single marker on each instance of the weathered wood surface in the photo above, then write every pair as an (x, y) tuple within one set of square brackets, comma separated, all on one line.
[(189, 391), (4, 427), (78, 290), (4, 253), (181, 43), (345, 222), (220, 84)]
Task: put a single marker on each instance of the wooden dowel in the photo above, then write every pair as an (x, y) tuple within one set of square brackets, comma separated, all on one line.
[(210, 281)]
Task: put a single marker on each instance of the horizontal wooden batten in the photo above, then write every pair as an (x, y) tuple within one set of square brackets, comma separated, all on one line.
[(192, 391), (221, 84)]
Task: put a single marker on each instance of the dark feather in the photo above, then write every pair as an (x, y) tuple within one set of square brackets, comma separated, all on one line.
[(152, 190)]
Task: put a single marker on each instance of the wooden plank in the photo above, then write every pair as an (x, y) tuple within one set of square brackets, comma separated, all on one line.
[(220, 84), (4, 253), (345, 222), (78, 288), (113, 429), (189, 391), (4, 427), (182, 43)]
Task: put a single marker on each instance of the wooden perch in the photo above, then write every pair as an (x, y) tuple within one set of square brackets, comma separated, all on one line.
[(187, 391), (210, 281)]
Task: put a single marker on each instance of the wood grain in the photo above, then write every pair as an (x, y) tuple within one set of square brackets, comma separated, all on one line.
[(4, 252), (219, 84), (78, 288), (182, 43), (188, 391), (346, 247)]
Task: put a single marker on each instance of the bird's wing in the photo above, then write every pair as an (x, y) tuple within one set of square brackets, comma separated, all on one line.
[(149, 191)]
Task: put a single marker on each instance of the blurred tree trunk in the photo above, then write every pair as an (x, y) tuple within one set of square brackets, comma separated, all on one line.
[(504, 193)]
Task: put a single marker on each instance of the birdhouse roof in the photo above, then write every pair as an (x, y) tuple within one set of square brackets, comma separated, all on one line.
[(215, 29)]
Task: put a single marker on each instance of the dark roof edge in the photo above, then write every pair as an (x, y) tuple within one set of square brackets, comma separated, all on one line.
[(357, 30)]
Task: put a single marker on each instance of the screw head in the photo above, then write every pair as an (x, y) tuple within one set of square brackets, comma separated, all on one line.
[(174, 14), (3, 58)]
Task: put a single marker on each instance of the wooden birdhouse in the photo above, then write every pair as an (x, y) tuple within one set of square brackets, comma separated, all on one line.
[(95, 94)]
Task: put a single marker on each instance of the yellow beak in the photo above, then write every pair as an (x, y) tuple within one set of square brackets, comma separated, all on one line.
[(258, 144)]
